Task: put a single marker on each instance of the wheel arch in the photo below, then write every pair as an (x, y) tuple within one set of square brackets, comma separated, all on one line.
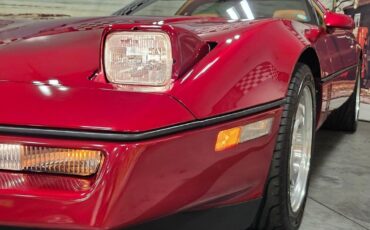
[(311, 59)]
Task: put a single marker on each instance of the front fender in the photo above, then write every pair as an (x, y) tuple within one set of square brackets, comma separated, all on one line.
[(249, 67)]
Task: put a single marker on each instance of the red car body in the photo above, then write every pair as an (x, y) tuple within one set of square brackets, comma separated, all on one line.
[(159, 147)]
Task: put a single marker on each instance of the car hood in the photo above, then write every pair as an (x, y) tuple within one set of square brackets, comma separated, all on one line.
[(70, 49), (46, 69)]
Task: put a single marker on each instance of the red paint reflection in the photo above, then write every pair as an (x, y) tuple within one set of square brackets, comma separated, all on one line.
[(11, 181)]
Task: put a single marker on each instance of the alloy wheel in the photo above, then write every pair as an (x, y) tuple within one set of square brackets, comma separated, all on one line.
[(300, 154)]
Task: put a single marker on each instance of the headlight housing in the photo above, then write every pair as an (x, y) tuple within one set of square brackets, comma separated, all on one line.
[(139, 60)]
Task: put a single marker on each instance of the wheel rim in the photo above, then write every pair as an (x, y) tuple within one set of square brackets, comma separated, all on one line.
[(358, 100), (300, 154)]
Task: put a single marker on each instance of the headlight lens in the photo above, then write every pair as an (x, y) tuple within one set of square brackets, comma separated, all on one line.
[(139, 59), (49, 160)]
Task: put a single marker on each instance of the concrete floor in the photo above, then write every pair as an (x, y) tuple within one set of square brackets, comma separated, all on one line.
[(339, 196), (365, 112)]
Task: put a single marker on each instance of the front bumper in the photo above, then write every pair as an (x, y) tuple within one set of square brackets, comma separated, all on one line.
[(140, 181)]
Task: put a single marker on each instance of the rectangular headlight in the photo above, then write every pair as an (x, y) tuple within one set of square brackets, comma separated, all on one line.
[(49, 160), (139, 59)]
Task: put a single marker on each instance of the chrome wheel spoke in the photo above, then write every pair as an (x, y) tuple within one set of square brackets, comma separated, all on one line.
[(300, 153)]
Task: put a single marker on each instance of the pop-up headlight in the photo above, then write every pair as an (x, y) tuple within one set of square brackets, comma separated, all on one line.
[(140, 61)]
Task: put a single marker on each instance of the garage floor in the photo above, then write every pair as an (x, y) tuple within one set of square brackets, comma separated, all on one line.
[(365, 112), (339, 197)]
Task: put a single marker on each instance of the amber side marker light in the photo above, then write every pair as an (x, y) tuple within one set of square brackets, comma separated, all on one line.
[(234, 136), (49, 160)]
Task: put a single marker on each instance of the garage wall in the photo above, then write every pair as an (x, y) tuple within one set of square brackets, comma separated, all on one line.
[(70, 7), (364, 10), (328, 3)]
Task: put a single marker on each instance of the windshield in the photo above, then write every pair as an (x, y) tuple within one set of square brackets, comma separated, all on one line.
[(230, 9)]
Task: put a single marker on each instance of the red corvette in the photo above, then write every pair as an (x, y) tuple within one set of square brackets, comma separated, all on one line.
[(171, 114)]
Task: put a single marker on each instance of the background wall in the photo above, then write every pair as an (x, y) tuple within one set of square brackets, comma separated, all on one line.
[(364, 10), (19, 8), (328, 3)]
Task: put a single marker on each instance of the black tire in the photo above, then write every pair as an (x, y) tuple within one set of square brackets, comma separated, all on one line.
[(346, 117), (276, 212)]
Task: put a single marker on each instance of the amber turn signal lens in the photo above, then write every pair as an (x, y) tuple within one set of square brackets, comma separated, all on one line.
[(227, 139), (49, 160), (231, 137)]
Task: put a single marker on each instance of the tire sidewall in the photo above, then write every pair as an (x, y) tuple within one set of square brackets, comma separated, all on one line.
[(295, 218), (276, 212)]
